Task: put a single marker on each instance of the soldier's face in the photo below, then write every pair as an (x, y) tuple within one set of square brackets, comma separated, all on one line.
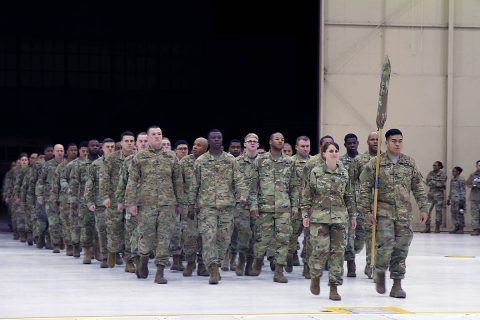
[(373, 142), (155, 138), (287, 150), (127, 143), (93, 147), (303, 148), (235, 149), (24, 162), (455, 173), (33, 158), (478, 166), (215, 140), (277, 141), (436, 167), (351, 144), (72, 152), (108, 148), (83, 152), (59, 152), (199, 147), (48, 153), (142, 142), (331, 153), (181, 151), (395, 144), (251, 144), (167, 145), (325, 140), (261, 151)]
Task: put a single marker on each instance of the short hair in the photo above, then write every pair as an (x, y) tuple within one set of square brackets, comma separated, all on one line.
[(325, 137), (459, 169), (478, 161), (126, 133), (71, 144), (83, 144), (393, 132), (153, 127), (440, 164), (261, 147), (251, 135), (179, 142), (326, 145), (108, 140), (234, 141), (287, 144), (349, 136), (23, 154), (143, 133), (302, 138), (212, 131), (48, 145)]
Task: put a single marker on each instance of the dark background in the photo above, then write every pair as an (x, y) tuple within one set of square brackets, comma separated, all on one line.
[(71, 73)]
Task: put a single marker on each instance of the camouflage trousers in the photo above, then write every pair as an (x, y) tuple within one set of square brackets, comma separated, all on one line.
[(12, 209), (475, 211), (368, 241), (274, 229), (350, 246), (115, 229), (41, 219), (393, 240), (29, 210), (54, 224), (458, 217), (65, 220), (438, 202), (155, 229), (245, 229), (328, 242), (215, 227), (307, 248), (297, 228), (192, 241), (131, 236), (176, 244), (101, 228), (20, 218), (88, 231), (75, 223), (359, 242)]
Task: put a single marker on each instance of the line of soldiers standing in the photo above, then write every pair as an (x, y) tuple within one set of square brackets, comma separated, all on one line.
[(144, 201)]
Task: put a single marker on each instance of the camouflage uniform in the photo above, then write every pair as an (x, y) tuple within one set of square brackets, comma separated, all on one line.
[(329, 204), (39, 218), (346, 160), (394, 213), (473, 182), (7, 189), (109, 176), (457, 198), (363, 232), (155, 185), (436, 181), (275, 195), (92, 197), (216, 186), (74, 227), (20, 207), (59, 196), (28, 201), (78, 179)]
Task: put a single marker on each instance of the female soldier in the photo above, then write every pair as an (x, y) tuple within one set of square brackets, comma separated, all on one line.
[(436, 182), (327, 204)]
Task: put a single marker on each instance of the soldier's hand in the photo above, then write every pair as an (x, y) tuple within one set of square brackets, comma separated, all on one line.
[(178, 210), (306, 222), (254, 213), (354, 223), (120, 207), (423, 216), (371, 218), (243, 203), (133, 210), (92, 208), (107, 203), (294, 214)]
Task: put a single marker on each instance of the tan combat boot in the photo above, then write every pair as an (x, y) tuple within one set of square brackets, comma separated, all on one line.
[(248, 266), (380, 281), (76, 251), (459, 231), (69, 251), (142, 267), (214, 274), (159, 277), (334, 294), (56, 248), (177, 263), (30, 238), (87, 255), (351, 269), (189, 268), (437, 228), (240, 268), (256, 267), (129, 266), (315, 285), (233, 263), (202, 270), (296, 260), (397, 291), (278, 275), (104, 263), (225, 261), (111, 259)]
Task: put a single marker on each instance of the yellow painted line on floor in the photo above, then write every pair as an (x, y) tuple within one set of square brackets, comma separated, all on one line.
[(349, 310), (460, 257)]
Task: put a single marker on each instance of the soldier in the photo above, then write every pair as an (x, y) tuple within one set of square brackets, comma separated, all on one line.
[(191, 238), (436, 181), (78, 179), (166, 143), (74, 218), (43, 192), (59, 197), (235, 147), (327, 207), (245, 224), (363, 231), (216, 187), (457, 200), (154, 192), (25, 201), (316, 159), (131, 222), (275, 200), (95, 202), (181, 149), (302, 155), (473, 182), (287, 149), (398, 177), (7, 197), (109, 176), (18, 206)]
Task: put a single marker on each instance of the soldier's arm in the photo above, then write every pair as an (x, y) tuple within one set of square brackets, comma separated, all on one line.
[(294, 191), (40, 186), (104, 182), (17, 184), (469, 181), (418, 190), (55, 191), (74, 183), (89, 193), (133, 178), (196, 179), (349, 199), (177, 180), (463, 188), (65, 178), (306, 199), (367, 177), (122, 184), (255, 187), (240, 186)]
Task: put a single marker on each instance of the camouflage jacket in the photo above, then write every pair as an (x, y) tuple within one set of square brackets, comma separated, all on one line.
[(356, 168), (155, 179), (327, 196), (186, 166), (458, 191), (275, 184), (246, 166), (24, 188), (45, 181), (110, 174), (32, 183), (123, 179), (19, 178), (346, 160), (396, 182), (78, 179), (56, 194), (436, 182), (65, 178), (473, 182), (216, 182), (91, 193), (8, 184)]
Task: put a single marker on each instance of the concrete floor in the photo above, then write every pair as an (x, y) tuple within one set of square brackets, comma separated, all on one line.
[(443, 282)]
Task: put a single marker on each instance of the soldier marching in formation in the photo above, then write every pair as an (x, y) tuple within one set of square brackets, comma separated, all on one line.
[(141, 200)]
